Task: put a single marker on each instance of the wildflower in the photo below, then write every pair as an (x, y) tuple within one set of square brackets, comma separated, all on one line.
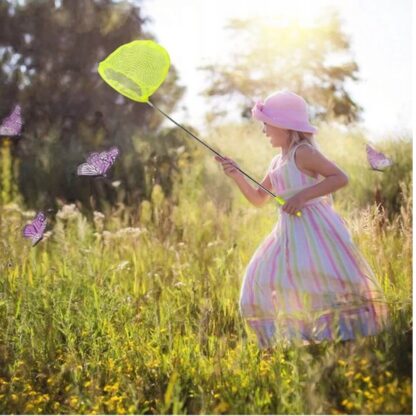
[(68, 212), (342, 362), (73, 401), (347, 404), (12, 206), (46, 235), (222, 408), (121, 410), (121, 266), (99, 220), (264, 366), (129, 232), (368, 395)]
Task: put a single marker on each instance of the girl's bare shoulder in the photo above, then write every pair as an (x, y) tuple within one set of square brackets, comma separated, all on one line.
[(310, 158)]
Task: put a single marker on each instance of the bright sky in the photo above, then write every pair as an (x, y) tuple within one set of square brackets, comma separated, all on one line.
[(380, 31)]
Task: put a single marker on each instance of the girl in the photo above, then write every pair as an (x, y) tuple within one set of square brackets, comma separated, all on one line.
[(307, 280)]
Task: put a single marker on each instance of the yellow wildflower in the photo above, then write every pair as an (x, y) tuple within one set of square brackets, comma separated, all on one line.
[(121, 410), (73, 400), (131, 409)]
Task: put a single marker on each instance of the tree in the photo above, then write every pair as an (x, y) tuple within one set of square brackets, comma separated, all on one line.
[(311, 61), (49, 52)]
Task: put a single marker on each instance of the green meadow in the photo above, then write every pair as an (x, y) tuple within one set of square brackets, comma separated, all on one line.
[(135, 310)]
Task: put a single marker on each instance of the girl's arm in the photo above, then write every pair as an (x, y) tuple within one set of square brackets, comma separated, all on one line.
[(256, 196), (311, 159)]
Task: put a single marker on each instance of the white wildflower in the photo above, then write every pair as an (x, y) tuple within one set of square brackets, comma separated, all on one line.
[(99, 220), (68, 212), (12, 206), (121, 266), (46, 235), (129, 232)]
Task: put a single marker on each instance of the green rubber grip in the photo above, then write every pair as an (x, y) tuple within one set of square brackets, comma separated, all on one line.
[(281, 201)]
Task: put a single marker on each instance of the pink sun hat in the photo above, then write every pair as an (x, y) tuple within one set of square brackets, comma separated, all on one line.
[(284, 109)]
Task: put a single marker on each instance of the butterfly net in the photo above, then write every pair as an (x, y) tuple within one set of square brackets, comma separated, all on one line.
[(136, 69)]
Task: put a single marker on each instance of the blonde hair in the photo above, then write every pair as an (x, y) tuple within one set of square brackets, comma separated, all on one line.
[(297, 137)]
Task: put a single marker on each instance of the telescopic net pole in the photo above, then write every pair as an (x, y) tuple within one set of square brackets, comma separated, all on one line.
[(209, 147)]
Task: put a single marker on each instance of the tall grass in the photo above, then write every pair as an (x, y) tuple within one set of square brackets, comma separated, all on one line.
[(139, 314)]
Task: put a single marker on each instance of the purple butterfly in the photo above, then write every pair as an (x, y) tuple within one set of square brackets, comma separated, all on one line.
[(98, 163), (12, 125), (378, 161), (35, 229)]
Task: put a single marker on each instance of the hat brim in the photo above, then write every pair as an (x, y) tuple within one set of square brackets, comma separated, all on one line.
[(259, 115)]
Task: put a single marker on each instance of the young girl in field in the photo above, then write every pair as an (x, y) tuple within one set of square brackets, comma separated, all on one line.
[(307, 280)]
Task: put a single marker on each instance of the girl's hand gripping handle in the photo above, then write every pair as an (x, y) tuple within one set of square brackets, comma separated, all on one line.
[(281, 201)]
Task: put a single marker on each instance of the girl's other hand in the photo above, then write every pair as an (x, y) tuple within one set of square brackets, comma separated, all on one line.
[(294, 204), (229, 166)]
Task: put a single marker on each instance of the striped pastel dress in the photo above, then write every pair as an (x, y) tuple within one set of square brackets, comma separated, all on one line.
[(307, 279)]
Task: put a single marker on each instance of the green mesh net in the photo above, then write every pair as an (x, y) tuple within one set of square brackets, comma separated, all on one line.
[(136, 69)]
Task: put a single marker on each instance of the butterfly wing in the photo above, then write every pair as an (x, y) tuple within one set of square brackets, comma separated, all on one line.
[(35, 230), (40, 222), (91, 167), (88, 169), (93, 157), (29, 231), (108, 158), (113, 153), (377, 160), (98, 163), (12, 125)]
